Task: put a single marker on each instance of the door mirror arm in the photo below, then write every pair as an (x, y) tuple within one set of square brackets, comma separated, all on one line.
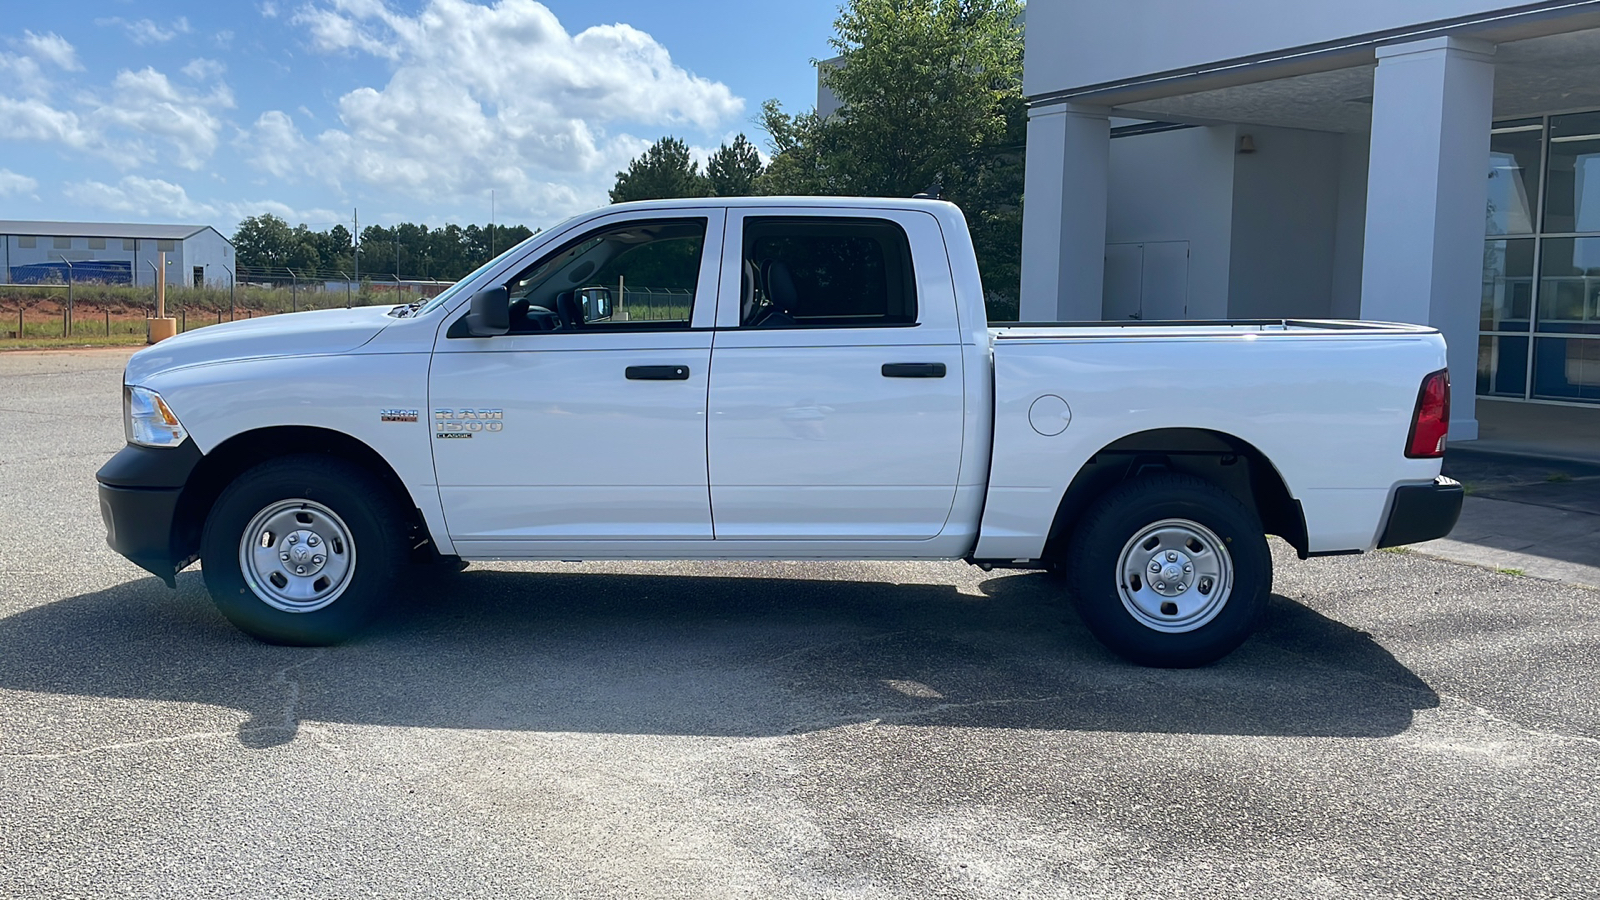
[(489, 313)]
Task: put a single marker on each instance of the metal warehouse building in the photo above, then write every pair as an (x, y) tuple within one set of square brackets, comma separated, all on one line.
[(47, 252)]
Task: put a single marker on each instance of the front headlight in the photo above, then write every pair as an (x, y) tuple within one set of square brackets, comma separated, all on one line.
[(147, 421)]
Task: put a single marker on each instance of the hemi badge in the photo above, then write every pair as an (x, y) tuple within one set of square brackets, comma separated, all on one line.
[(397, 415)]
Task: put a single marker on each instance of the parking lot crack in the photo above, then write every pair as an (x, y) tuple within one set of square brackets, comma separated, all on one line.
[(112, 748), (896, 718), (828, 645), (260, 732), (905, 717), (1483, 713)]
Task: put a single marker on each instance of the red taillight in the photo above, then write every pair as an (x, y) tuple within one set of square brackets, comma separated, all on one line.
[(1431, 422)]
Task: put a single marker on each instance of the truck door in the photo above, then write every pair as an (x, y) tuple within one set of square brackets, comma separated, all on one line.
[(587, 422), (836, 404)]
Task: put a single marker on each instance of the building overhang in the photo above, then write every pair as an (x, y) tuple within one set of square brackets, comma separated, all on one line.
[(1551, 73), (1548, 58)]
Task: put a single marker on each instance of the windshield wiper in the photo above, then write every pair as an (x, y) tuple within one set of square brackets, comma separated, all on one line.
[(406, 310)]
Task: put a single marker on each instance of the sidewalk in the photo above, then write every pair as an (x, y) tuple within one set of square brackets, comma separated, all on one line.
[(1540, 518)]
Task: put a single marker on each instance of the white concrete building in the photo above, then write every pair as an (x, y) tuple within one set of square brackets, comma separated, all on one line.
[(1428, 161), (197, 255)]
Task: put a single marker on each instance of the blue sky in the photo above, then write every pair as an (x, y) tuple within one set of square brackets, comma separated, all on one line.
[(411, 110)]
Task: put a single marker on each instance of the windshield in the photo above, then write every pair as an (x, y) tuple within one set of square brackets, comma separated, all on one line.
[(453, 289)]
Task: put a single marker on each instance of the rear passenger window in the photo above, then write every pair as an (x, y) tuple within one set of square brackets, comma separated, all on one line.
[(820, 272)]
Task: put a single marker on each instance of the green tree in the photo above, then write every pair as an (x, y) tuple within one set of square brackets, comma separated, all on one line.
[(732, 170), (931, 92), (662, 172), (263, 241), (267, 243)]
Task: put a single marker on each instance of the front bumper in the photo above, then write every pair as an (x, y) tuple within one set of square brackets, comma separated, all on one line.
[(139, 492), (139, 526), (1422, 512)]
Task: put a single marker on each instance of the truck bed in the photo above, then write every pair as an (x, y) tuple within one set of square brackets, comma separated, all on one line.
[(1186, 328), (1328, 403)]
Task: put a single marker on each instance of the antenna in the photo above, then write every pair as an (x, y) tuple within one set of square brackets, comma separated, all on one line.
[(933, 191)]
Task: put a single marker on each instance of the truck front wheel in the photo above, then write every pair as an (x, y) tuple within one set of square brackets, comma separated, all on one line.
[(302, 550), (1170, 570)]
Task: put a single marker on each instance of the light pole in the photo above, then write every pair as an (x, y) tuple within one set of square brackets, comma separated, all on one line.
[(66, 314)]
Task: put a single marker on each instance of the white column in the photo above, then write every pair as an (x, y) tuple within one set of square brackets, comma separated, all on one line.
[(1064, 213), (1432, 107)]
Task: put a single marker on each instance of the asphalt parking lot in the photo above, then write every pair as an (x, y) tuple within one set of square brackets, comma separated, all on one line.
[(1403, 727)]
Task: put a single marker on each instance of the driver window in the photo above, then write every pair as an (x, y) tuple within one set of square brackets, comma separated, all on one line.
[(637, 275)]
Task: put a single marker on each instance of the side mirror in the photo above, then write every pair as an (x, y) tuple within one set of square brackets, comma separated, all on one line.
[(489, 312), (596, 303)]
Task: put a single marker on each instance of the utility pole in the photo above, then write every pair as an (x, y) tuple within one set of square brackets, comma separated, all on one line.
[(397, 254), (491, 223), (355, 240)]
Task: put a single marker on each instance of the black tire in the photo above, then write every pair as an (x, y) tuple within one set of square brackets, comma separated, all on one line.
[(1098, 585), (361, 502)]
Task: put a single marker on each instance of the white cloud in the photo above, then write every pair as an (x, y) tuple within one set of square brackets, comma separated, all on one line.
[(34, 119), (52, 48), (204, 69), (145, 104), (275, 144), (487, 97), (145, 31), (142, 198), (141, 117), (12, 183)]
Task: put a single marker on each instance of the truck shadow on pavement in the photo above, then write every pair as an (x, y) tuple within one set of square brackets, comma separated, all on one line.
[(669, 654)]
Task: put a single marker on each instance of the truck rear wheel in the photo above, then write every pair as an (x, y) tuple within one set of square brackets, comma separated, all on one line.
[(302, 550), (1170, 570)]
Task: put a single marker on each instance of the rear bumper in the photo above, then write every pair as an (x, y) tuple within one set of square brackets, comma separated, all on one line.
[(139, 492), (1422, 512)]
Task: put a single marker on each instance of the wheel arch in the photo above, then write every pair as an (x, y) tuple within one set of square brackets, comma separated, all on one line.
[(1226, 460), (217, 469)]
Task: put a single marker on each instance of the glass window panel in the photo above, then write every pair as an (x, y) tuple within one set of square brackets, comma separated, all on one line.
[(1566, 369), (827, 271), (640, 273), (1569, 286), (1515, 149), (1572, 192), (1507, 285), (1502, 366)]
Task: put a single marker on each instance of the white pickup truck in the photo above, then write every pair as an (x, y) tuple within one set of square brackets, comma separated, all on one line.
[(772, 378)]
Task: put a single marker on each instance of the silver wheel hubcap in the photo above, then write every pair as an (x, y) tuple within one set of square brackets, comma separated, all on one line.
[(1175, 576), (297, 556)]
